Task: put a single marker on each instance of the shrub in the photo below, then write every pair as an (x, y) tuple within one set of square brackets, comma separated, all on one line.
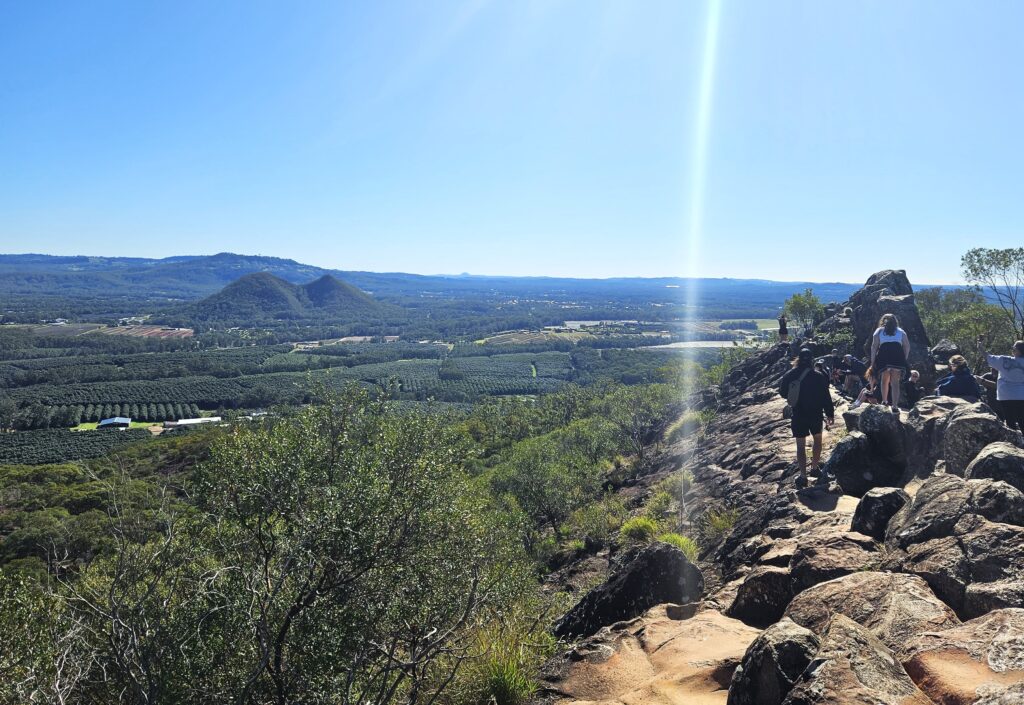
[(658, 505), (576, 545), (597, 522), (677, 484), (716, 523), (684, 543), (638, 530)]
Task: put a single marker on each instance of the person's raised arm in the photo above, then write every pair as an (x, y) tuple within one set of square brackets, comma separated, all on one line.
[(991, 359)]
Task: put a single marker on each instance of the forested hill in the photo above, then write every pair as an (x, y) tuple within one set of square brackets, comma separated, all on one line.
[(260, 296)]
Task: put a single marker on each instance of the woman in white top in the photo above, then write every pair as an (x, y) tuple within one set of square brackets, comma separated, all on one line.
[(890, 348), (1010, 383)]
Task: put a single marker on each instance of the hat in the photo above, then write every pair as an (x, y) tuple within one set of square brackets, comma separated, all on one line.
[(806, 355)]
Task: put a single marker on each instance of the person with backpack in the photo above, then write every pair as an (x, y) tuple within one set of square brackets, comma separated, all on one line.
[(810, 403), (1010, 383), (890, 348)]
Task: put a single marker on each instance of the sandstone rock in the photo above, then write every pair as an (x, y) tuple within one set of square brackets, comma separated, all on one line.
[(999, 461), (772, 664), (653, 659), (892, 606), (762, 596), (982, 598), (1011, 695), (876, 508), (968, 431), (655, 574), (955, 666), (856, 466), (942, 500), (854, 666)]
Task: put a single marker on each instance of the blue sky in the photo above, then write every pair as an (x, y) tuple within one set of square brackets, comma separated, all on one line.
[(525, 137)]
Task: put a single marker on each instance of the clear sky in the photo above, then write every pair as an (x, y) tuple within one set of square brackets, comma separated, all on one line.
[(517, 137)]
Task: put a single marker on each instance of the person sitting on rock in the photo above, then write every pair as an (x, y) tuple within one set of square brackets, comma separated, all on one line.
[(890, 348), (854, 374), (1010, 383), (870, 393), (811, 405), (960, 382), (912, 392)]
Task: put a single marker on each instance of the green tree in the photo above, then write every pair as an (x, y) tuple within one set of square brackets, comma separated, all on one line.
[(640, 414), (1001, 272), (804, 308)]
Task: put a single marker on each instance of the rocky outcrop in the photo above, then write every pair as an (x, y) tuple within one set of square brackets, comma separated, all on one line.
[(854, 666), (892, 606), (653, 575), (876, 508), (999, 461), (652, 659), (968, 431), (925, 429), (962, 664), (772, 664)]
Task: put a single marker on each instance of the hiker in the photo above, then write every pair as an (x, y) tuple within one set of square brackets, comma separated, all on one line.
[(854, 374), (808, 396), (1010, 382), (783, 329), (890, 348), (912, 391), (960, 382)]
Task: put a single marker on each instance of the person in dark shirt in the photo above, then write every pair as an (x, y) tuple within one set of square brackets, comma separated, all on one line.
[(960, 383), (854, 372), (783, 329), (813, 407), (912, 391)]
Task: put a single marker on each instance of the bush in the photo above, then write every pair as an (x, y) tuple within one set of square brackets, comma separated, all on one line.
[(684, 543), (716, 523), (658, 505), (597, 522), (677, 484), (638, 530)]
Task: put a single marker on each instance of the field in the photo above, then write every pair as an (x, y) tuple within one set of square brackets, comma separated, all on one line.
[(56, 446), (525, 337), (75, 329)]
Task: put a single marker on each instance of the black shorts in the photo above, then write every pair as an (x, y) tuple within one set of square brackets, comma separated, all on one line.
[(804, 426)]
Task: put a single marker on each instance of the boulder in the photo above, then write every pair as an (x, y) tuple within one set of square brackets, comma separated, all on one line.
[(943, 350), (892, 606), (976, 569), (999, 461), (772, 665), (827, 557), (956, 665), (1011, 695), (968, 431), (884, 430), (942, 500), (858, 468), (925, 428), (876, 508), (652, 575), (854, 666), (762, 596)]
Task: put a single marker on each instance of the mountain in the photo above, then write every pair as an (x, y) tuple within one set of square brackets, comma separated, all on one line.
[(262, 296)]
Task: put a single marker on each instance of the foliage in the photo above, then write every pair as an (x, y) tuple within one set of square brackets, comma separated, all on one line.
[(684, 543), (59, 445), (804, 308), (1001, 273), (597, 522), (961, 315), (716, 523), (658, 505), (738, 325), (638, 530)]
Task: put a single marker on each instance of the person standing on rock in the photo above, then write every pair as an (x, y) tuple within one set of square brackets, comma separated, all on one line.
[(807, 392), (1010, 382), (783, 329), (890, 349)]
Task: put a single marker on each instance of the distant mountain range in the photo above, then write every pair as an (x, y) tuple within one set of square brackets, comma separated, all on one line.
[(188, 278)]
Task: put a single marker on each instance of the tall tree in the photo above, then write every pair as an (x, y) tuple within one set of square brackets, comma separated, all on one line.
[(804, 308), (1001, 272)]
